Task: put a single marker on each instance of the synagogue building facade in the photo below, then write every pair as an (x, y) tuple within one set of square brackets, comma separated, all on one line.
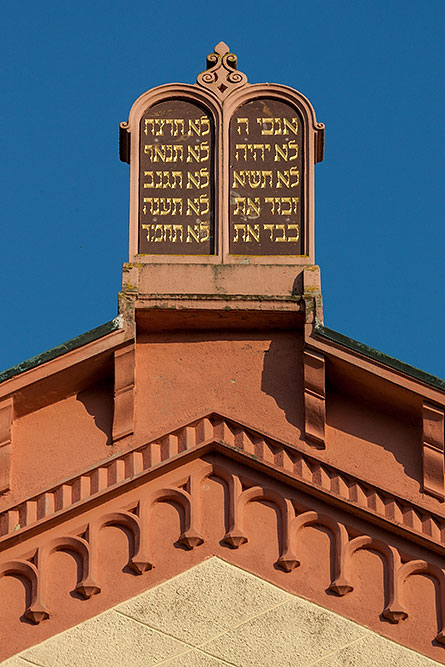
[(214, 477)]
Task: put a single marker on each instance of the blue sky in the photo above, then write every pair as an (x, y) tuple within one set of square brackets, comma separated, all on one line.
[(373, 71)]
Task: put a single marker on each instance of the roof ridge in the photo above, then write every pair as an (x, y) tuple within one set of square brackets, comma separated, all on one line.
[(376, 355), (62, 348)]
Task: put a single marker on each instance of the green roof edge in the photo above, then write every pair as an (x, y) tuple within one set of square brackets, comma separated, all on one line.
[(63, 348), (376, 355)]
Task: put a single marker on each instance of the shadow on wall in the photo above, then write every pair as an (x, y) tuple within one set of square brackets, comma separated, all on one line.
[(98, 402), (369, 427), (282, 376)]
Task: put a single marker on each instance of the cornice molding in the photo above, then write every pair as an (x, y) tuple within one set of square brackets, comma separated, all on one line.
[(215, 432)]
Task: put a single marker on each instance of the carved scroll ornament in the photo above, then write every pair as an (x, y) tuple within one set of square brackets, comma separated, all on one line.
[(221, 76)]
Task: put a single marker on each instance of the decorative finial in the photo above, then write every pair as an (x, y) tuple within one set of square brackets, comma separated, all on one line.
[(221, 75)]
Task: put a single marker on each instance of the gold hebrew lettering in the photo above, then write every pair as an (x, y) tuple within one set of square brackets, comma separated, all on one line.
[(283, 205), (204, 231), (294, 172), (194, 126), (157, 228), (253, 206), (177, 201), (193, 179), (259, 147), (148, 150), (153, 203), (166, 205), (281, 153), (238, 148), (200, 153), (270, 228), (293, 239), (242, 121), (204, 204), (199, 126), (205, 176), (178, 123), (176, 229), (192, 233), (205, 123), (264, 122), (149, 183), (254, 232), (295, 201), (169, 152), (239, 227), (160, 122), (285, 200), (177, 179), (293, 146), (163, 205), (159, 152), (192, 206), (283, 179), (147, 228), (169, 229), (165, 179), (277, 129), (198, 179), (164, 152), (240, 178), (288, 125), (270, 200), (169, 121), (283, 230), (240, 208), (149, 122), (205, 148), (198, 205), (254, 179), (266, 175)]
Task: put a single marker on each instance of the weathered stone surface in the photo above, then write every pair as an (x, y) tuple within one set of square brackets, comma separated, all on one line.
[(374, 651), (107, 639), (209, 599), (195, 659), (294, 633)]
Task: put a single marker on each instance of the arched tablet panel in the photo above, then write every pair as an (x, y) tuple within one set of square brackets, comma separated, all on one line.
[(266, 179), (176, 201), (171, 142)]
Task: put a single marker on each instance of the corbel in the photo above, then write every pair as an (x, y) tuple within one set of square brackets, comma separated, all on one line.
[(314, 398), (124, 374), (6, 419), (433, 450)]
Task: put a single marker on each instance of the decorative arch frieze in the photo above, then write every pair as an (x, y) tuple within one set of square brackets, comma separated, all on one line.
[(184, 490)]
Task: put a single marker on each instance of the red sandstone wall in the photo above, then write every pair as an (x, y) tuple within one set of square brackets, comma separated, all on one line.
[(252, 377)]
